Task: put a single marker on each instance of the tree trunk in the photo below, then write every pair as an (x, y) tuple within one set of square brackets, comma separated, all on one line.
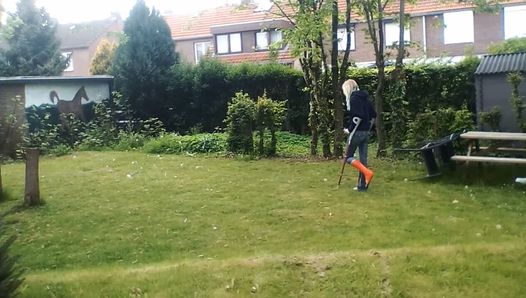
[(398, 84), (338, 112), (379, 103), (401, 39), (32, 193), (324, 126), (313, 125)]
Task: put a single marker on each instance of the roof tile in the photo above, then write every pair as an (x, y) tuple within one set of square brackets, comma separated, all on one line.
[(184, 26)]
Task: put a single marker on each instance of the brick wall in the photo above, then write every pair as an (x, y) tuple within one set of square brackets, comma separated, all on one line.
[(11, 111)]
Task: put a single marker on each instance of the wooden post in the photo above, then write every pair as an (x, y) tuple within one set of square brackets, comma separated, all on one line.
[(32, 195)]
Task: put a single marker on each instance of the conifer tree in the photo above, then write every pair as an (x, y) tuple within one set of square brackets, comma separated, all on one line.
[(142, 62), (101, 63), (32, 46)]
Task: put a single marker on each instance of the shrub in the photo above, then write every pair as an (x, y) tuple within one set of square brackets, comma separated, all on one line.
[(269, 116), (512, 45), (128, 141), (240, 122), (177, 144), (43, 127), (515, 78), (60, 150), (435, 124), (292, 145), (491, 118)]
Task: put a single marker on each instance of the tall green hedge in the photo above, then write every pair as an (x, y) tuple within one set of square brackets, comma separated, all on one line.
[(200, 94), (431, 86), (428, 88), (197, 96)]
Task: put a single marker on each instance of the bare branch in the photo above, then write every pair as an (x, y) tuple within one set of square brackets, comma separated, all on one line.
[(283, 14)]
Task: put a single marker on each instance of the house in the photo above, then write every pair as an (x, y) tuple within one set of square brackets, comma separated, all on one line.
[(231, 33), (437, 29), (79, 42), (494, 90), (442, 29)]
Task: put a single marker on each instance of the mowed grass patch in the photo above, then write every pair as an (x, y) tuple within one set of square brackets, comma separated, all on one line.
[(109, 213)]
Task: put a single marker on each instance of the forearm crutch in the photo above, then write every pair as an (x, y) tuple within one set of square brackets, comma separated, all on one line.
[(356, 121)]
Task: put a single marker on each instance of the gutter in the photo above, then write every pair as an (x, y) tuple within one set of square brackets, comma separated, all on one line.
[(424, 36)]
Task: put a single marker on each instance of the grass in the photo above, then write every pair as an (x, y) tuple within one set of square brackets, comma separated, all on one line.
[(130, 224)]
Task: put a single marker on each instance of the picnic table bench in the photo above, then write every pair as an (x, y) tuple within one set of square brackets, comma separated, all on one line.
[(474, 137)]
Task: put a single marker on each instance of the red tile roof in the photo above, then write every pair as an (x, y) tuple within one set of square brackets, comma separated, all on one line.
[(429, 6), (195, 26), (184, 27), (422, 7), (199, 26)]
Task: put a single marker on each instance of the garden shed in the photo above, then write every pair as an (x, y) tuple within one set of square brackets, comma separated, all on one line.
[(494, 90), (67, 94)]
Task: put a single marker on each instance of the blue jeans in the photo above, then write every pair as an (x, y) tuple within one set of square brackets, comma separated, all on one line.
[(359, 141)]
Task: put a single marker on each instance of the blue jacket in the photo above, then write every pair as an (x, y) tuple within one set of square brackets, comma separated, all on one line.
[(360, 107)]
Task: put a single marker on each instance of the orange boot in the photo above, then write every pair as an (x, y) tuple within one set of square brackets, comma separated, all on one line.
[(368, 174)]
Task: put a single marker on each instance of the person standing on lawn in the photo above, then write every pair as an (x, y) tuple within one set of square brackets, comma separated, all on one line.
[(359, 106)]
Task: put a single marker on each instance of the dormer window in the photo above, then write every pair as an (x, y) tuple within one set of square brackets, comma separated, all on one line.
[(229, 43), (265, 38)]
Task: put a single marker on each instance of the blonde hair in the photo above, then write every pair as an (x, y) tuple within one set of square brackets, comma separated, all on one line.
[(349, 87)]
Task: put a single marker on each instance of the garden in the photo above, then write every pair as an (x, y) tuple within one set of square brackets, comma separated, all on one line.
[(207, 180), (139, 224), (135, 209)]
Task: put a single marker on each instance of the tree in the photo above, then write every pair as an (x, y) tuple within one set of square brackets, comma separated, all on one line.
[(101, 63), (398, 115), (509, 46), (143, 61), (32, 46), (339, 70), (373, 12), (315, 24)]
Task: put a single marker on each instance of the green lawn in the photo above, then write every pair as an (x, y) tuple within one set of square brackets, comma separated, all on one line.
[(120, 224)]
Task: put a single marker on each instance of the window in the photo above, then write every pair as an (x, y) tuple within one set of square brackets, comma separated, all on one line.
[(229, 43), (458, 27), (276, 36), (392, 34), (266, 38), (201, 49), (514, 17), (342, 39), (69, 56), (262, 40)]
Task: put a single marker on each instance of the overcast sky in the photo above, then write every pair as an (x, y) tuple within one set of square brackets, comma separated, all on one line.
[(74, 11)]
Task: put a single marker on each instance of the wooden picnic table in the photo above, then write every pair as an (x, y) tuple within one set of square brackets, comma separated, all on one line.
[(474, 137)]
